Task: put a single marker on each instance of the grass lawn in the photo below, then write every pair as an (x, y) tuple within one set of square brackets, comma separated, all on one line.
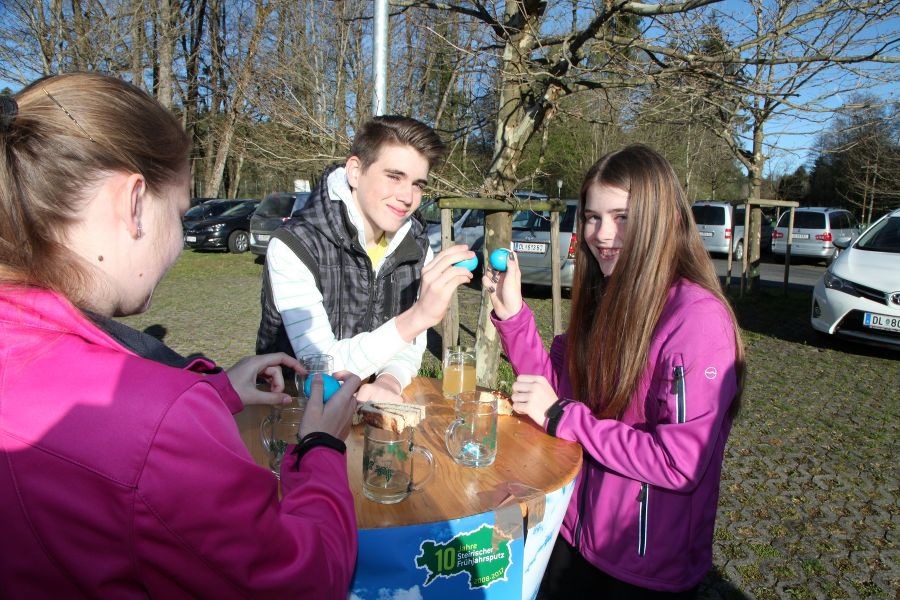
[(809, 502)]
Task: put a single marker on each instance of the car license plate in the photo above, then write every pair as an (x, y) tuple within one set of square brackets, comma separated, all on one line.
[(801, 236), (876, 321), (262, 237), (529, 247), (706, 233), (190, 238)]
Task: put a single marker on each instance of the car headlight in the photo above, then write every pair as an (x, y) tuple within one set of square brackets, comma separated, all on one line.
[(833, 282), (214, 228)]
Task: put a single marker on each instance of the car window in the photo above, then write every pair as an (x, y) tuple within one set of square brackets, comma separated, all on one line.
[(431, 212), (834, 221), (803, 220), (884, 236), (275, 205), (475, 219), (194, 213), (529, 220), (705, 214), (240, 210), (299, 202), (214, 209)]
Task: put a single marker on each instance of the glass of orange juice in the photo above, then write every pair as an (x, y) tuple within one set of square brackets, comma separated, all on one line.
[(459, 370)]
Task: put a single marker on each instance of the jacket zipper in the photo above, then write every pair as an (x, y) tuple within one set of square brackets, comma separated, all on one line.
[(643, 501), (680, 396)]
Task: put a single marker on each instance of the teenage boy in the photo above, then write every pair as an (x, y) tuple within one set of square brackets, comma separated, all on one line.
[(352, 274)]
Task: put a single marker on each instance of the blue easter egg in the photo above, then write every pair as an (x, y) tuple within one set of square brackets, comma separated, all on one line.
[(469, 264), (331, 385), (499, 258)]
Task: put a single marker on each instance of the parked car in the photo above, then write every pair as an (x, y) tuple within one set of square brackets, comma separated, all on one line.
[(531, 242), (432, 215), (467, 223), (815, 229), (275, 209), (530, 237), (858, 296), (720, 223), (229, 230), (212, 207)]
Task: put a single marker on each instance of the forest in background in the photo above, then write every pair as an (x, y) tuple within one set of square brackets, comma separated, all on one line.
[(271, 91)]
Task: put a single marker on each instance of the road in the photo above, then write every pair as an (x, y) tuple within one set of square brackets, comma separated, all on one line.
[(804, 274)]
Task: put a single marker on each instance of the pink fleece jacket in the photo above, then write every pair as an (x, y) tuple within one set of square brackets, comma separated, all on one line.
[(644, 507), (124, 478)]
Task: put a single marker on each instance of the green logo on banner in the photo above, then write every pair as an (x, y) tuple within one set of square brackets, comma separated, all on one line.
[(470, 553)]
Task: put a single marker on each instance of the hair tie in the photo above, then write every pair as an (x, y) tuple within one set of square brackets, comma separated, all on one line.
[(8, 111)]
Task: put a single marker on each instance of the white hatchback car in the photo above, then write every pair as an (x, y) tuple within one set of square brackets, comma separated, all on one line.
[(858, 296)]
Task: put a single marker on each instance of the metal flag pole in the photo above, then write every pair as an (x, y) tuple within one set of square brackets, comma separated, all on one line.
[(379, 98)]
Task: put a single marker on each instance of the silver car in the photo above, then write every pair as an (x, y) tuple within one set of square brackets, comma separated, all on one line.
[(815, 230), (531, 242), (719, 223)]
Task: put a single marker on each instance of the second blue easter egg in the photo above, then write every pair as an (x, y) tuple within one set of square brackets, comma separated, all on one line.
[(331, 385), (499, 258)]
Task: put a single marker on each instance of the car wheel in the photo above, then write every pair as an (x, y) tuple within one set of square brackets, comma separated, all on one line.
[(739, 251), (238, 241)]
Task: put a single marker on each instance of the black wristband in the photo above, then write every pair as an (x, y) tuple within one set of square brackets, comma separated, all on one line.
[(554, 414), (313, 440)]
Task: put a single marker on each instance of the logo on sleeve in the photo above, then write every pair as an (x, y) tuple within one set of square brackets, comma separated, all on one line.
[(710, 372)]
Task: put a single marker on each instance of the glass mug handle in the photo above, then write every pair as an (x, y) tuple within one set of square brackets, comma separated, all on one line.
[(413, 486), (267, 436), (449, 435), (267, 432)]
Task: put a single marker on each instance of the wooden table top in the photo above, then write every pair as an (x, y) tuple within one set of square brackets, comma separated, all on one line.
[(527, 460)]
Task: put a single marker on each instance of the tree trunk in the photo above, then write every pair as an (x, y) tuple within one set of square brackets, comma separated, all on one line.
[(226, 133), (752, 235), (522, 112)]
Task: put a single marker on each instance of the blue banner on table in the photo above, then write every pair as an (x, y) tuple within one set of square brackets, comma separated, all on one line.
[(459, 557)]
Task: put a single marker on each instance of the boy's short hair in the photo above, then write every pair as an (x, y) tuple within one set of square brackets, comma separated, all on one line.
[(398, 131)]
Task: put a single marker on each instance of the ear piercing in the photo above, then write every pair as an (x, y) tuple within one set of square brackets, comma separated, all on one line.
[(140, 230)]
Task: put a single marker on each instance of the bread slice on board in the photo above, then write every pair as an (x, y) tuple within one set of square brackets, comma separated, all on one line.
[(393, 416)]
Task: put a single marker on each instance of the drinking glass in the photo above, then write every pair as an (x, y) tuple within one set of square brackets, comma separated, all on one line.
[(314, 363), (459, 371), (471, 439), (276, 431), (388, 465)]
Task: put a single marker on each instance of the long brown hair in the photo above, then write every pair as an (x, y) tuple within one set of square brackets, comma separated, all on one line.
[(58, 138), (613, 318)]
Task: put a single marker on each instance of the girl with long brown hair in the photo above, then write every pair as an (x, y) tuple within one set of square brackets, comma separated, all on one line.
[(647, 379)]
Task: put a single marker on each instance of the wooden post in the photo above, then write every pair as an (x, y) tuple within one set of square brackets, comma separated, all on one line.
[(450, 327), (744, 257), (787, 251), (554, 273)]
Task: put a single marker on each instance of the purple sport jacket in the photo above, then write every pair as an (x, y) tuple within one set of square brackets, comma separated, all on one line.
[(124, 478), (644, 507)]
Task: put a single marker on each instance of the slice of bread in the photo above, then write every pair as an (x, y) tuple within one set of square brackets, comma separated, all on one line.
[(504, 403), (393, 416)]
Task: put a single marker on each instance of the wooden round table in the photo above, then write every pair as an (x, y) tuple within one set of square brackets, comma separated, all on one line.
[(525, 455), (486, 531)]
